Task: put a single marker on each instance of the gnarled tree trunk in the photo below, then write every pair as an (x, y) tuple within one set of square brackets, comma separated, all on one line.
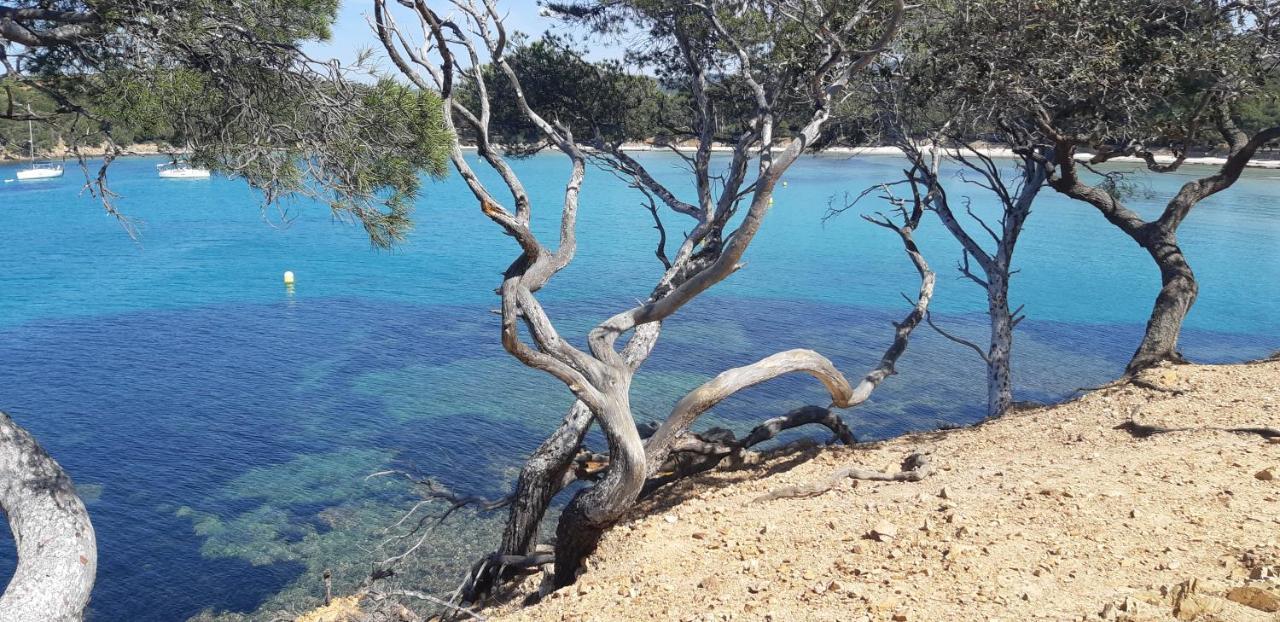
[(57, 554), (596, 509), (1178, 289), (540, 480), (1159, 237), (600, 378), (542, 476)]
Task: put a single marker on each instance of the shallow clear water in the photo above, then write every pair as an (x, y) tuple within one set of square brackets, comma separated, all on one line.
[(222, 427)]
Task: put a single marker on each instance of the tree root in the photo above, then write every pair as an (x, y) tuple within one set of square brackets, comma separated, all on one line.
[(494, 569), (1142, 430), (1131, 380), (1151, 386), (697, 453), (915, 467)]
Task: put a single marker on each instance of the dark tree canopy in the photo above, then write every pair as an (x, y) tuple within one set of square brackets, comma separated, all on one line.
[(1097, 79), (1107, 73), (228, 81), (593, 99)]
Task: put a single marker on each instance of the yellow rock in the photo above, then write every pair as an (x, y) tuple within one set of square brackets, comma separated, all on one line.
[(1255, 597), (1193, 606), (342, 609)]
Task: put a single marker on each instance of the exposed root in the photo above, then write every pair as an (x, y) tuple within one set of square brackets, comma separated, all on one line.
[(798, 417), (1142, 430), (494, 569), (1147, 384), (696, 453), (915, 467), (1132, 380), (1118, 382)]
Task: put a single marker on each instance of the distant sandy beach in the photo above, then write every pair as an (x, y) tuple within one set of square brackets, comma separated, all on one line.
[(993, 152)]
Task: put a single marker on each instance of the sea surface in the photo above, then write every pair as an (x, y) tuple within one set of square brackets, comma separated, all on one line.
[(222, 427)]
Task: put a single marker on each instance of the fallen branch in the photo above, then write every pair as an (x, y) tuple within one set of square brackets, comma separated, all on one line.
[(801, 416), (914, 468)]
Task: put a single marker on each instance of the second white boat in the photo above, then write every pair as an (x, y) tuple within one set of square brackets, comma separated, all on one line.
[(182, 170)]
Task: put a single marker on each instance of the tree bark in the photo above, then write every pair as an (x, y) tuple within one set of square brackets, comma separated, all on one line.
[(594, 510), (57, 554), (1178, 289), (540, 478), (999, 375), (539, 481)]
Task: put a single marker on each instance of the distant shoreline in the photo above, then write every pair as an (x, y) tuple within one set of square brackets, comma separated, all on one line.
[(138, 149), (991, 152), (1270, 163)]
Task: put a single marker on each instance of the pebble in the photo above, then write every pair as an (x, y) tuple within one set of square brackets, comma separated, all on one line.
[(1268, 474)]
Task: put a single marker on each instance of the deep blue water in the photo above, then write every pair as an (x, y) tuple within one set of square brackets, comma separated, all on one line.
[(222, 427)]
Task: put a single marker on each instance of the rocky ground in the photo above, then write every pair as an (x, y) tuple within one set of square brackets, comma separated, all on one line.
[(1133, 503)]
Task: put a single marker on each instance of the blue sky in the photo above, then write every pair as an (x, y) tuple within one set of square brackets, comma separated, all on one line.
[(352, 32)]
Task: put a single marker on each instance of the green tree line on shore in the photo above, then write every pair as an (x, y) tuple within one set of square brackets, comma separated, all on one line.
[(53, 138)]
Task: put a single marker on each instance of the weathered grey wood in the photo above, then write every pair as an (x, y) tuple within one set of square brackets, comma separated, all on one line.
[(996, 265), (57, 553), (729, 382), (600, 377)]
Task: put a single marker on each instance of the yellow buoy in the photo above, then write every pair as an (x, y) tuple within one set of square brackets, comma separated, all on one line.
[(288, 277)]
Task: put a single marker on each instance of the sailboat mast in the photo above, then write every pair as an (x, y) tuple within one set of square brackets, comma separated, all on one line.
[(31, 137)]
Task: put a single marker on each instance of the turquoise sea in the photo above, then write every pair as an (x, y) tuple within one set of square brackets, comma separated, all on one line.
[(221, 427)]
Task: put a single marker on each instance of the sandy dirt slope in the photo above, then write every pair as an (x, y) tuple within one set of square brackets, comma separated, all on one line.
[(1053, 513)]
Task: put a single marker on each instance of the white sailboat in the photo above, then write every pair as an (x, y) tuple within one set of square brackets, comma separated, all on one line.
[(43, 170), (181, 169)]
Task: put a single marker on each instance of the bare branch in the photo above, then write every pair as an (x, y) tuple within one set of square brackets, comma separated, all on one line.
[(963, 342)]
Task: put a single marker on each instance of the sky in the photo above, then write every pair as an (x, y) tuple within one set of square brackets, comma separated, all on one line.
[(352, 32)]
